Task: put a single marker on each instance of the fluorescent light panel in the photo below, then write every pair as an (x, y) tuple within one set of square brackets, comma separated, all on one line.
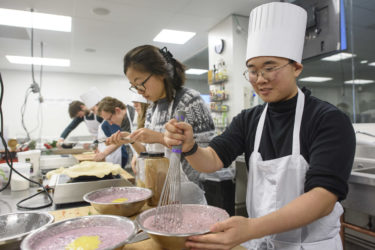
[(315, 79), (371, 64), (35, 20), (39, 61), (359, 81), (196, 71), (338, 57), (173, 36)]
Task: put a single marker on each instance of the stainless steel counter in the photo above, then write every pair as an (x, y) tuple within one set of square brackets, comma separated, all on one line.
[(9, 200)]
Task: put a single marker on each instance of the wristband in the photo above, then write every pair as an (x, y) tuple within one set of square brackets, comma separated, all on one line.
[(191, 151)]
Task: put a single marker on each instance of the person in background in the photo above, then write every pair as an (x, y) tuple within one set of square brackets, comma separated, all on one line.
[(80, 113), (140, 105), (299, 150), (159, 77), (85, 111), (117, 114)]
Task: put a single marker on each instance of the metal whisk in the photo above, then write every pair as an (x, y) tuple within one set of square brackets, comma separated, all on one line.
[(168, 214)]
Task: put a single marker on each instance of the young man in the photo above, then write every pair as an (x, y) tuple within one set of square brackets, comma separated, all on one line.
[(299, 150), (80, 113), (117, 114)]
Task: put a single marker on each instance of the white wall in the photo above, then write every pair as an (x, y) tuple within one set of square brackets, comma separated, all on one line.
[(234, 55), (58, 90)]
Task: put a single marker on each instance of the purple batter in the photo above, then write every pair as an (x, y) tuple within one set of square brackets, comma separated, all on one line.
[(193, 221), (133, 195), (109, 237)]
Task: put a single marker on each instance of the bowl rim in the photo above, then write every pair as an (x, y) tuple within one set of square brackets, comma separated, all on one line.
[(138, 220), (85, 197), (17, 237), (56, 224)]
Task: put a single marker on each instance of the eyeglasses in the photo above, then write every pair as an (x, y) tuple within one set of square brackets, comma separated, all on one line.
[(267, 73), (139, 87)]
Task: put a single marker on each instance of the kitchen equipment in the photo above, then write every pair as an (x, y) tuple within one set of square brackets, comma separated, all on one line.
[(197, 219), (155, 170), (125, 201), (50, 162), (15, 226), (126, 139), (17, 182), (112, 232), (33, 157), (169, 210), (140, 176), (69, 190)]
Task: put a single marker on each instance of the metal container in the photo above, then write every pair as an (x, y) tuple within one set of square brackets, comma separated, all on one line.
[(173, 241), (126, 208), (16, 226), (69, 228)]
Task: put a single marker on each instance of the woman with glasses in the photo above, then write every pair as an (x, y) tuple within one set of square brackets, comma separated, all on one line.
[(299, 150), (156, 75)]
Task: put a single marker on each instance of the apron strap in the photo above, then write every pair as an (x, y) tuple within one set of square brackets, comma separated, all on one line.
[(296, 129), (258, 134), (297, 122)]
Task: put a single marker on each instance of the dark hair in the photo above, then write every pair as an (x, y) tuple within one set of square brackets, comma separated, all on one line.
[(108, 104), (74, 108), (148, 58), (142, 117)]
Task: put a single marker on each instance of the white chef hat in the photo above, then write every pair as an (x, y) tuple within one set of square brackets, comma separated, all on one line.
[(277, 29), (138, 98), (91, 97)]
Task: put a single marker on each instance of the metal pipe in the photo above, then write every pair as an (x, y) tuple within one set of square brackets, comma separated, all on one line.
[(359, 229)]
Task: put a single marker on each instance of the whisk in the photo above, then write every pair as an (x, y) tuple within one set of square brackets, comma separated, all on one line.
[(168, 215)]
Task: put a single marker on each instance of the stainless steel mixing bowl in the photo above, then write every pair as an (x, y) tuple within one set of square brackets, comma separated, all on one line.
[(175, 241), (126, 208), (54, 231), (15, 226)]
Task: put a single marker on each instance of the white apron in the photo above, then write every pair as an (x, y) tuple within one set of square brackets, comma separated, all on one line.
[(190, 192), (274, 183), (115, 157), (92, 126)]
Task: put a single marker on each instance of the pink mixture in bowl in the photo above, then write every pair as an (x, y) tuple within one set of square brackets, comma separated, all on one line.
[(196, 219)]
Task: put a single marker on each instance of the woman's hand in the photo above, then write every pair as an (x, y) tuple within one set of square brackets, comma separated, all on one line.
[(178, 133), (224, 235), (146, 135)]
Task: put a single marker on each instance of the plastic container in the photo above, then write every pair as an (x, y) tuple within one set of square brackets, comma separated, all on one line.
[(140, 177), (18, 183), (33, 157), (4, 174), (156, 168)]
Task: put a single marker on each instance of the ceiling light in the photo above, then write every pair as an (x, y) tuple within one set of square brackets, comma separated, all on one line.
[(359, 81), (315, 79), (371, 64), (364, 61), (39, 61), (338, 57), (35, 20), (196, 71), (101, 11), (173, 36)]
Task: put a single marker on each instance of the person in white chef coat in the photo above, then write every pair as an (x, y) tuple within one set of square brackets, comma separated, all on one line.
[(299, 150)]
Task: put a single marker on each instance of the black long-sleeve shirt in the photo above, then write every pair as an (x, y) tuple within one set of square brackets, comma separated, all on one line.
[(76, 121), (327, 140)]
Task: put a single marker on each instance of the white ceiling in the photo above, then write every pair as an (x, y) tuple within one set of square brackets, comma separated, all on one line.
[(129, 24)]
